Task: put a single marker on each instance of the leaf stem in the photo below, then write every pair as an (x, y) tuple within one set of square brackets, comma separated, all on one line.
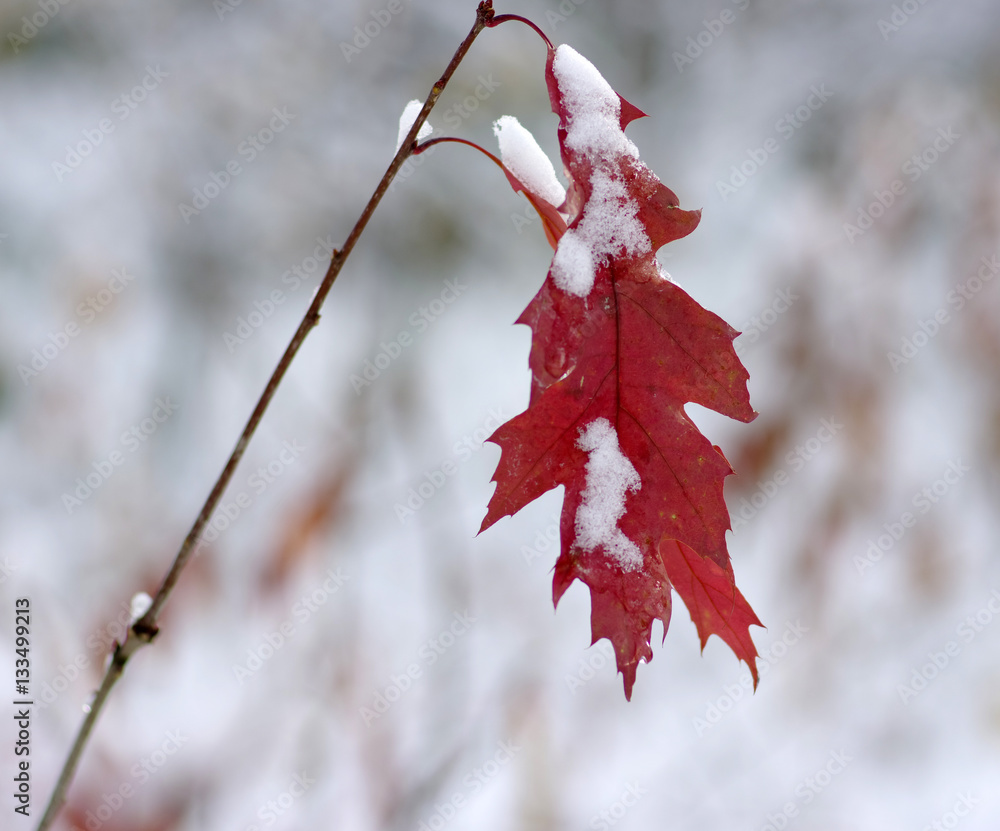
[(553, 222), (503, 18), (425, 145), (144, 630)]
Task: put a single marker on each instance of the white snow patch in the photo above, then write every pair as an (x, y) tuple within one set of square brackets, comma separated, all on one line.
[(523, 157), (610, 223), (593, 108), (610, 226), (573, 266), (140, 605), (410, 113), (609, 476)]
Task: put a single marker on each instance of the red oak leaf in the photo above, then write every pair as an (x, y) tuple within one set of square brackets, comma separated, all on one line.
[(617, 351)]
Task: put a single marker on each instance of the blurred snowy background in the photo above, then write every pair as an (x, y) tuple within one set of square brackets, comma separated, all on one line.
[(333, 661)]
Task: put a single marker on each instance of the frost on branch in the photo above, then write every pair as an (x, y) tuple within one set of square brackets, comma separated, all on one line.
[(139, 606), (617, 351)]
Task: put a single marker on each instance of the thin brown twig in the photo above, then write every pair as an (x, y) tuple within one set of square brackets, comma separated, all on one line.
[(144, 630)]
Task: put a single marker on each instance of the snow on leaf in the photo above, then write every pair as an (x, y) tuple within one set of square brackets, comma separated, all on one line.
[(410, 113), (609, 476), (609, 226), (617, 352), (522, 156)]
